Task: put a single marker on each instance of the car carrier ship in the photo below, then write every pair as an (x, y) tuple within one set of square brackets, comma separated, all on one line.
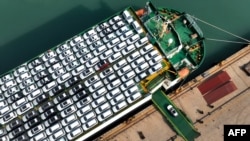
[(86, 83)]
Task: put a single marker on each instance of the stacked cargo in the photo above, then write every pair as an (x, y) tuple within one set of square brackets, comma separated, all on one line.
[(216, 87)]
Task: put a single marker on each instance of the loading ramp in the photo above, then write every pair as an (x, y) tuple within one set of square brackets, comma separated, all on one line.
[(181, 124)]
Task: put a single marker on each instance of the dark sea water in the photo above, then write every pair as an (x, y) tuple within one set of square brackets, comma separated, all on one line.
[(30, 27)]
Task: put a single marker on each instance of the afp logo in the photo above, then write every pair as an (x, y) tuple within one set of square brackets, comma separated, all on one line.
[(236, 132)]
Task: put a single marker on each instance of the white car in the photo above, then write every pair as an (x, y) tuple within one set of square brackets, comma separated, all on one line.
[(122, 30), (91, 123), (155, 68), (151, 54), (100, 50), (99, 92), (114, 84), (118, 25), (53, 128), (133, 56), (78, 70), (49, 54), (55, 67), (86, 57), (36, 130), (109, 37), (6, 78), (40, 136), (65, 54), (106, 54), (120, 64), (81, 52), (91, 80), (62, 103), (95, 86), (26, 82), (102, 108), (133, 97), (12, 91), (119, 106), (49, 86), (57, 135), (137, 62), (146, 49), (105, 32), (52, 61), (68, 119), (128, 76), (106, 72), (141, 42), (73, 134), (75, 40), (62, 48), (102, 26), (155, 60), (117, 99), (63, 78), (83, 110), (88, 34), (124, 70), (109, 78), (127, 16), (86, 73), (35, 62), (73, 65), (126, 35), (128, 49), (20, 70), (58, 73), (141, 68), (133, 39), (83, 102), (98, 101), (8, 84), (68, 111), (68, 59), (137, 27), (104, 115), (114, 57), (23, 76), (120, 46), (113, 93), (92, 39), (95, 45), (141, 76), (115, 19), (131, 91), (127, 85), (171, 109), (92, 62), (19, 103), (113, 42), (37, 69)]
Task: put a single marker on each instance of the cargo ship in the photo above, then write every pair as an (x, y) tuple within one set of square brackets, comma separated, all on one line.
[(79, 87)]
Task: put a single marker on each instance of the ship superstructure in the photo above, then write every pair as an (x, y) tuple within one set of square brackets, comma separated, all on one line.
[(95, 78)]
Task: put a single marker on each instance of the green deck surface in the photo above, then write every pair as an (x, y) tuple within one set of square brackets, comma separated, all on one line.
[(181, 123)]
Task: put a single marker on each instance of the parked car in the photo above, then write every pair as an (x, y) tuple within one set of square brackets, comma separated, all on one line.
[(119, 106), (171, 109)]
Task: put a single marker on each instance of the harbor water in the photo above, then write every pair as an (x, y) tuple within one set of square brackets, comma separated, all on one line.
[(30, 27)]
